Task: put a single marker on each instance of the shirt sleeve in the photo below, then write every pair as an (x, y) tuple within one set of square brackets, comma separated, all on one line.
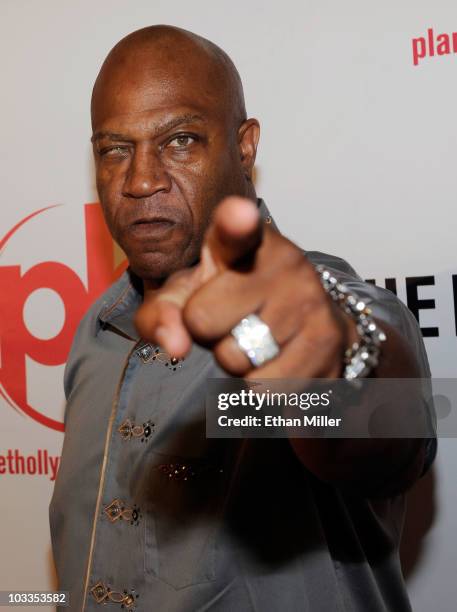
[(385, 306)]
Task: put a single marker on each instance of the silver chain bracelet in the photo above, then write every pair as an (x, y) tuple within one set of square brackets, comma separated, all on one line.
[(362, 356)]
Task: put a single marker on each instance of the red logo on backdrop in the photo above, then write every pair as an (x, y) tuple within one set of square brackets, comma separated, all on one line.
[(433, 44), (16, 341)]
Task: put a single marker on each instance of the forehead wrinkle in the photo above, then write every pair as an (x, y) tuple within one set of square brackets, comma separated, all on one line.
[(165, 126)]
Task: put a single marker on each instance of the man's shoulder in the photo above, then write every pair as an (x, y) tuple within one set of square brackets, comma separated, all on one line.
[(374, 296), (384, 304), (86, 338), (332, 262)]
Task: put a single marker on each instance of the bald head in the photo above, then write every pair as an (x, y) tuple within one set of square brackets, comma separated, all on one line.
[(168, 54)]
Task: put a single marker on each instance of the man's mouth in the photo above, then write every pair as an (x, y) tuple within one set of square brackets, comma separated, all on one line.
[(152, 219), (151, 227)]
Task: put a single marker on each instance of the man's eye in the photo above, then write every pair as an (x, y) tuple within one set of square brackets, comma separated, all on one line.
[(113, 151), (182, 141)]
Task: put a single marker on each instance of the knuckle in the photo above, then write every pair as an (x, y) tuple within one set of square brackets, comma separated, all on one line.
[(197, 318), (145, 316), (313, 294), (230, 358), (332, 337), (291, 257), (162, 310), (327, 333)]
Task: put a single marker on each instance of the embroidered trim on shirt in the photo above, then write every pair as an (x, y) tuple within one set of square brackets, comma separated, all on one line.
[(118, 510), (148, 353), (129, 430), (179, 471), (102, 594)]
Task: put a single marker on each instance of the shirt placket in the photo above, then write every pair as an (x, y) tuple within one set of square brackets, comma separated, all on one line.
[(116, 559)]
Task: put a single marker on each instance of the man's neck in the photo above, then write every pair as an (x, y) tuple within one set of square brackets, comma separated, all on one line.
[(150, 286)]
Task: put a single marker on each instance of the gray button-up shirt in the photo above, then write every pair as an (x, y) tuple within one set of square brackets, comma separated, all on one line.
[(150, 515)]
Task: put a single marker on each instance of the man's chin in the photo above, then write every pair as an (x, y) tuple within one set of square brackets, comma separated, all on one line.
[(157, 266)]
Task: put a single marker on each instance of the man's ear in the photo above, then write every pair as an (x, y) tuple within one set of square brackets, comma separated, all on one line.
[(248, 138)]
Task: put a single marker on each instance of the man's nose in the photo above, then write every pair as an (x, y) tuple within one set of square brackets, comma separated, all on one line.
[(146, 176)]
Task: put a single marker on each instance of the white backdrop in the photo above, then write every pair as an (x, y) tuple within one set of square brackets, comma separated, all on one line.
[(357, 158)]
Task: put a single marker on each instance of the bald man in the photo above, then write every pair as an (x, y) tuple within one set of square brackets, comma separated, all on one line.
[(148, 513)]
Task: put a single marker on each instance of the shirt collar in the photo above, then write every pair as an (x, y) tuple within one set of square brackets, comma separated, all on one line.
[(121, 301), (125, 296)]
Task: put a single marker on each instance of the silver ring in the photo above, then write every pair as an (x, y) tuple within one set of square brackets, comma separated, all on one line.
[(255, 339)]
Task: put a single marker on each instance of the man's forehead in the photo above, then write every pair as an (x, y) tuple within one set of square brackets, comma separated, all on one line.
[(154, 93)]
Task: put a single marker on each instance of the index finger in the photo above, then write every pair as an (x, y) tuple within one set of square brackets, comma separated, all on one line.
[(235, 233)]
